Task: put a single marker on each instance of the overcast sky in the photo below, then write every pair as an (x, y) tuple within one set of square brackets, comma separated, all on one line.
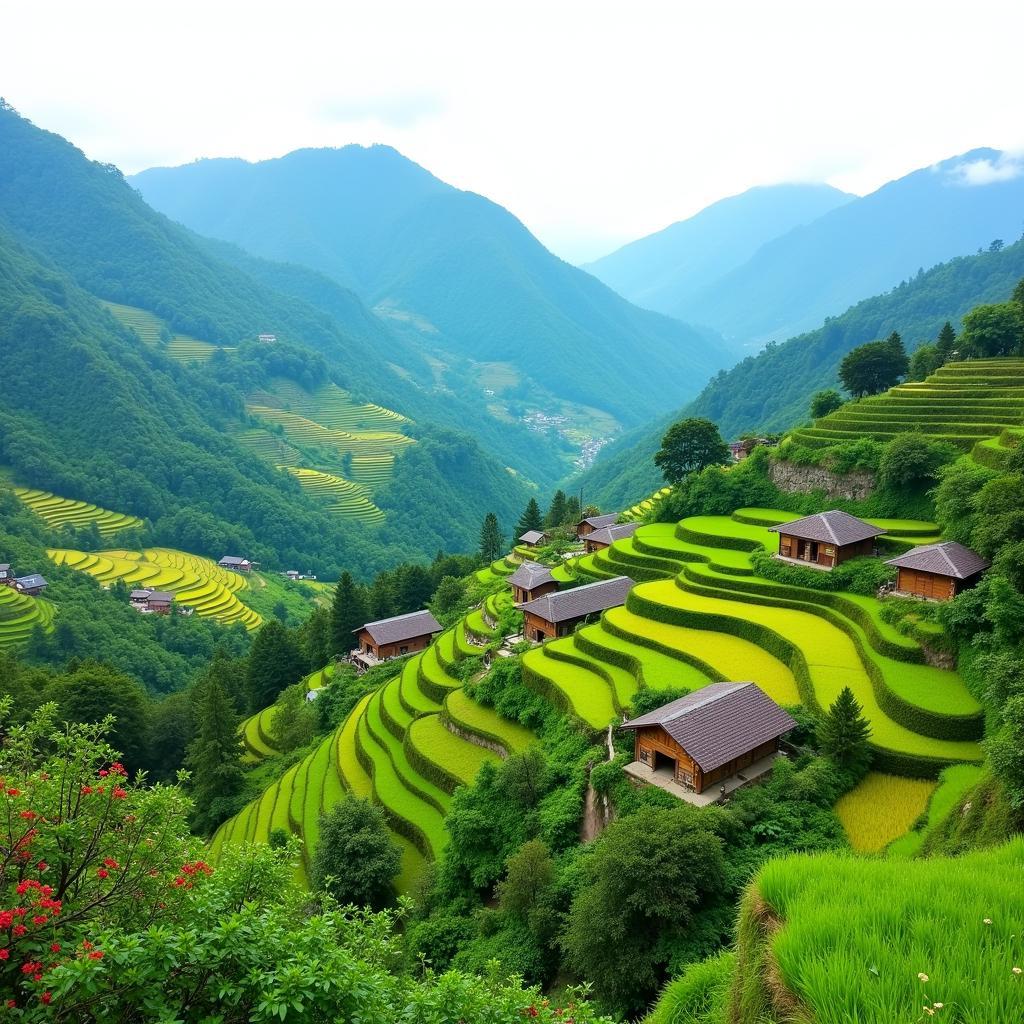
[(594, 122)]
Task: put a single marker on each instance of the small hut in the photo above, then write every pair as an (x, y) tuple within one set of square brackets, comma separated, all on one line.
[(937, 572), (825, 540)]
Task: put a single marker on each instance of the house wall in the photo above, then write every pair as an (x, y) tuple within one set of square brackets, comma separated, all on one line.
[(590, 546), (534, 625), (583, 530), (653, 739), (520, 594), (827, 555), (926, 584), (396, 650)]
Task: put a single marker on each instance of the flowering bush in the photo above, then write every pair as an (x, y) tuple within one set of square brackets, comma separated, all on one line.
[(108, 914)]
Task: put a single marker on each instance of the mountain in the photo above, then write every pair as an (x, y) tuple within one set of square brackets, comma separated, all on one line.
[(665, 271), (865, 247), (771, 391), (93, 413), (458, 273)]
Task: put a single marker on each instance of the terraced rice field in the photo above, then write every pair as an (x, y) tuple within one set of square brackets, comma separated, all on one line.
[(20, 614), (271, 447), (341, 496), (148, 327), (256, 730), (641, 508), (401, 748), (334, 408), (697, 576), (881, 808), (967, 404), (196, 582), (65, 513)]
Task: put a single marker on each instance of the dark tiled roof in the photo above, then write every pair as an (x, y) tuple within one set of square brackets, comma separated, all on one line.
[(580, 601), (161, 596), (599, 522), (530, 575), (401, 627), (140, 595), (532, 536), (720, 722), (833, 527), (31, 582), (944, 559), (610, 534), (232, 560), (5, 565)]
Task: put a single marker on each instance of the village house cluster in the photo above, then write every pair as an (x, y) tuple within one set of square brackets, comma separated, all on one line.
[(32, 585)]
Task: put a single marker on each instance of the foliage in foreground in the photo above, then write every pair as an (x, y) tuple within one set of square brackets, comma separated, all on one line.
[(106, 914)]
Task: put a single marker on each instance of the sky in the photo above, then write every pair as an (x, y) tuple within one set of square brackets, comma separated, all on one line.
[(594, 122)]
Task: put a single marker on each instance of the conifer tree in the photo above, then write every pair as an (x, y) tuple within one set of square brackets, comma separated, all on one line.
[(215, 757), (275, 661), (573, 513), (531, 519), (491, 540), (946, 342), (348, 613), (413, 587), (843, 733), (556, 513)]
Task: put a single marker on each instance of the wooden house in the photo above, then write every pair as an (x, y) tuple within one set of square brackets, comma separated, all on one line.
[(32, 585), (236, 564), (6, 574), (558, 614), (826, 539), (598, 540), (533, 538), (587, 526), (530, 581), (709, 735), (155, 602), (395, 637), (937, 571), (266, 339)]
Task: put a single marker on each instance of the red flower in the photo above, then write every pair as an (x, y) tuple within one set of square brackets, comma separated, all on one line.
[(28, 815), (96, 954), (103, 773), (19, 930), (86, 944), (86, 790), (119, 793), (30, 967), (14, 792), (110, 863), (11, 1004), (102, 872), (39, 919), (54, 947), (42, 866), (5, 954), (46, 997)]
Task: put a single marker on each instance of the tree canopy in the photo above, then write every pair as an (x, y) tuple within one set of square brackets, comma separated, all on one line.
[(688, 447)]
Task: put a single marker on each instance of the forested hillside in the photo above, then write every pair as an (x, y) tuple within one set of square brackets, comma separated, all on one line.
[(464, 274), (667, 270), (772, 390)]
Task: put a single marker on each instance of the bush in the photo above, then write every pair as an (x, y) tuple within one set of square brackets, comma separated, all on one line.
[(912, 460)]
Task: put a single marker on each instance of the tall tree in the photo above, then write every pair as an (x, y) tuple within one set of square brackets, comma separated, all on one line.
[(413, 587), (275, 661), (531, 519), (572, 510), (348, 613), (215, 757), (294, 722), (946, 341), (556, 511), (355, 859), (844, 731), (688, 447), (994, 330), (874, 367), (491, 541)]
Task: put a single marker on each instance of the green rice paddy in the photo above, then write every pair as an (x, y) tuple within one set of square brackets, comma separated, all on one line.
[(341, 496), (66, 513), (148, 327)]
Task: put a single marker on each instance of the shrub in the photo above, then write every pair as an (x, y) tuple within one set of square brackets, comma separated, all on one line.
[(911, 460)]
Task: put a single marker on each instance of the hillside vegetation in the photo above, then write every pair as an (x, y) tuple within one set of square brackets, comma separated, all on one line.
[(453, 271)]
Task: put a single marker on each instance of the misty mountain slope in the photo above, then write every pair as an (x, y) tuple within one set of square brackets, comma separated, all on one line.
[(865, 247), (772, 390), (665, 270), (465, 270)]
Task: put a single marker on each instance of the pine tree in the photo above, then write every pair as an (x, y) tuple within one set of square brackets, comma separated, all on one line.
[(275, 661), (843, 733), (531, 519), (215, 757), (413, 587), (946, 341), (573, 512), (348, 613), (491, 541), (556, 513)]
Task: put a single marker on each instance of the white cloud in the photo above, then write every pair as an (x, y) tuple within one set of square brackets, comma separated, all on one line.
[(591, 120), (1005, 167)]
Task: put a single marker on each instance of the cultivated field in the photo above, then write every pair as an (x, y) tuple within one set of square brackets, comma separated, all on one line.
[(65, 513)]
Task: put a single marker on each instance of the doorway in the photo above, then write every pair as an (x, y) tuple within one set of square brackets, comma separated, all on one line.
[(664, 764), (808, 550)]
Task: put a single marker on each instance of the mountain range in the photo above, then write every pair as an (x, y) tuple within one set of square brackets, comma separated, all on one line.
[(766, 288), (457, 275)]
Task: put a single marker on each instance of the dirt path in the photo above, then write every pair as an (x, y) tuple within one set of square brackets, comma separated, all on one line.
[(596, 811)]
